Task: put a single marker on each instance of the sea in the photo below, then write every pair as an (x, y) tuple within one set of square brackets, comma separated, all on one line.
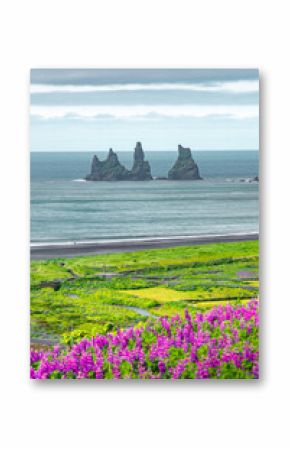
[(66, 208)]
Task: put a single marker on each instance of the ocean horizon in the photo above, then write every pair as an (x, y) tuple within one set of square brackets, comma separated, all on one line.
[(65, 208)]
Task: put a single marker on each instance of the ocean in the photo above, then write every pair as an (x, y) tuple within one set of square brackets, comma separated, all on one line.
[(65, 208)]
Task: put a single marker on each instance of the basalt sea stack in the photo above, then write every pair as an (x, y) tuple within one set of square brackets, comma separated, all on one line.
[(184, 168), (141, 170), (112, 170), (108, 170)]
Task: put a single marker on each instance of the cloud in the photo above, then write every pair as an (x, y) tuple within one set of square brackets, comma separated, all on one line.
[(93, 77), (139, 111), (235, 87)]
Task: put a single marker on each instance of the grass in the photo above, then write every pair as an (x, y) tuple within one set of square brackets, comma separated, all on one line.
[(222, 343), (94, 294)]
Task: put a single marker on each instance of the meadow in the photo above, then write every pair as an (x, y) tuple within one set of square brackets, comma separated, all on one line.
[(222, 343), (77, 298)]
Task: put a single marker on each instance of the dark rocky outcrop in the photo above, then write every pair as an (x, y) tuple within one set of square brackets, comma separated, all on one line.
[(141, 170), (108, 170), (250, 180), (184, 168), (112, 170), (96, 170)]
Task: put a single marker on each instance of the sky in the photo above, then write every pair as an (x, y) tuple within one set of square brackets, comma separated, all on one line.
[(98, 109)]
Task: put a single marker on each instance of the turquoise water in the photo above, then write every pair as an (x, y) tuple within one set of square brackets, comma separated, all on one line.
[(65, 209)]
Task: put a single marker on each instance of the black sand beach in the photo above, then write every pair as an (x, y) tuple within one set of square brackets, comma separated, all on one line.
[(85, 249)]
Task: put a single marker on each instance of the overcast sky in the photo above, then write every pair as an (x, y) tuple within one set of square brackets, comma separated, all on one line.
[(95, 109)]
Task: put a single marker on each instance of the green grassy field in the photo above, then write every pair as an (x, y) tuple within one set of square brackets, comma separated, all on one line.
[(82, 296)]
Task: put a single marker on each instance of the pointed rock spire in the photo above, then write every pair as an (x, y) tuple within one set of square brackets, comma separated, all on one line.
[(184, 168), (141, 170), (112, 155), (96, 167), (138, 153)]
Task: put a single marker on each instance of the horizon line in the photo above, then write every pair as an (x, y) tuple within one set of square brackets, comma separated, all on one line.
[(148, 151)]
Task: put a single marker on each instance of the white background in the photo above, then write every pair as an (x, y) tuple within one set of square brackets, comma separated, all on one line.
[(123, 33)]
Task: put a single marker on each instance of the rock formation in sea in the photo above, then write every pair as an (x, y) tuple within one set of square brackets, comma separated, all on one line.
[(141, 170), (250, 180), (96, 170), (112, 170), (108, 170), (184, 168)]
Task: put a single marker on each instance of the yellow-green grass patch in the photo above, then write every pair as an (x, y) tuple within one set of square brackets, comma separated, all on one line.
[(161, 294)]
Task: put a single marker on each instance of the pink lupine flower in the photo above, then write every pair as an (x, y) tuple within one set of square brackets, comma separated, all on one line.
[(178, 347)]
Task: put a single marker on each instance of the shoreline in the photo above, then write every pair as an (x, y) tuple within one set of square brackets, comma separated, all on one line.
[(51, 251)]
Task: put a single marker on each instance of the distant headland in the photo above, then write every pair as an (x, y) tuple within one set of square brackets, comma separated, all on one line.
[(185, 168)]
